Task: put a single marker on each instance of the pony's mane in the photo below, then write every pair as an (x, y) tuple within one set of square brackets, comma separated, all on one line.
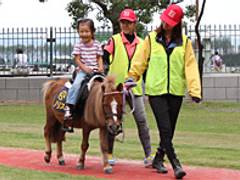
[(109, 83), (93, 113)]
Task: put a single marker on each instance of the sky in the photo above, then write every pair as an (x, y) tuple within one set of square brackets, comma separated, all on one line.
[(31, 13)]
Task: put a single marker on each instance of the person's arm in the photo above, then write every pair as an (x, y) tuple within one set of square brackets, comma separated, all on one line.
[(140, 60), (191, 72), (108, 50), (81, 66), (76, 53), (100, 64), (106, 61)]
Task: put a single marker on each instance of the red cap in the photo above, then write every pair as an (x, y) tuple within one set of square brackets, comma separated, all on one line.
[(172, 15), (128, 14)]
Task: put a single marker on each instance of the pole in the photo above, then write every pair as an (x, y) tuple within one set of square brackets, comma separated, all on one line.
[(51, 40)]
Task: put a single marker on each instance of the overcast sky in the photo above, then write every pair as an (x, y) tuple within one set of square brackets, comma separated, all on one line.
[(31, 13)]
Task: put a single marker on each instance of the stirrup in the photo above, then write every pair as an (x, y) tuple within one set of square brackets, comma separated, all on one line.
[(67, 129)]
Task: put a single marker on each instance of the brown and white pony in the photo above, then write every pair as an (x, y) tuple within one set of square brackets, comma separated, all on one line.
[(103, 110)]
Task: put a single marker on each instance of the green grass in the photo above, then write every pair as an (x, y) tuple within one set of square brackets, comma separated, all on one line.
[(20, 174), (206, 134)]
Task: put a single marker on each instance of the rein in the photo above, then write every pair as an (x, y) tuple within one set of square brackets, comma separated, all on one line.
[(125, 93), (129, 93)]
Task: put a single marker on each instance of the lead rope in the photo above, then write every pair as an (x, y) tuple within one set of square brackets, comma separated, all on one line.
[(131, 95)]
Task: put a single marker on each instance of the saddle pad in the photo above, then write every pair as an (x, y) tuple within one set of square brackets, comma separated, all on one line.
[(60, 99)]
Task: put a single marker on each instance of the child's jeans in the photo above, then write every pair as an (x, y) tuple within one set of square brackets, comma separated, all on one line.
[(73, 92)]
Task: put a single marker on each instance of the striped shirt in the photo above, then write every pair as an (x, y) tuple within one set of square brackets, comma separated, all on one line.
[(88, 53)]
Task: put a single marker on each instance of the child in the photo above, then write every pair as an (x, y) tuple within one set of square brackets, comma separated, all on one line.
[(88, 58)]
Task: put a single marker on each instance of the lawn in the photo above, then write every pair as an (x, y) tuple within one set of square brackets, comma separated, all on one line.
[(207, 135)]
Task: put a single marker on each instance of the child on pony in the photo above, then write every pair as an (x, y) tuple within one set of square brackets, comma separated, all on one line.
[(88, 57)]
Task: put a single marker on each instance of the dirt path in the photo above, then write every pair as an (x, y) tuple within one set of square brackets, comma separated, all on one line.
[(130, 170)]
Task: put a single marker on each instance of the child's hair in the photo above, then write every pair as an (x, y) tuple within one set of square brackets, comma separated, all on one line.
[(87, 21), (19, 51)]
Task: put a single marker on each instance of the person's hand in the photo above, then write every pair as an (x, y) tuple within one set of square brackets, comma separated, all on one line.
[(129, 83), (196, 99), (77, 69), (88, 70), (101, 70)]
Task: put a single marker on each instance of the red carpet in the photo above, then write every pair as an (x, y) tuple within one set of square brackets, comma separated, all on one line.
[(131, 170)]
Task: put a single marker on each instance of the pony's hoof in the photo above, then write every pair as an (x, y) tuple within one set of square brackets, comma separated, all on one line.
[(47, 158), (108, 170), (61, 162), (80, 166)]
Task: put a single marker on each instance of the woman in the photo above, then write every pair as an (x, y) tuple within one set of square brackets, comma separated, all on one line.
[(118, 54), (168, 57)]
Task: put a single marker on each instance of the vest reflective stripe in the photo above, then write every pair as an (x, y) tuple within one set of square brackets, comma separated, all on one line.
[(165, 76), (119, 63)]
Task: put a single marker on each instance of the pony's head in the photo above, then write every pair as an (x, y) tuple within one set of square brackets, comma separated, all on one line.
[(113, 105)]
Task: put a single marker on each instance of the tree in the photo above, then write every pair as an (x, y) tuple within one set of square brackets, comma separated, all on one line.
[(199, 43), (223, 44), (109, 10)]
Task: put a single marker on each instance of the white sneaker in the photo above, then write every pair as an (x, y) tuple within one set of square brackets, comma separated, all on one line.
[(67, 114), (111, 160), (148, 161)]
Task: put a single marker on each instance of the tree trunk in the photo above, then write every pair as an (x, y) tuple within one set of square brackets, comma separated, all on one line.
[(200, 46)]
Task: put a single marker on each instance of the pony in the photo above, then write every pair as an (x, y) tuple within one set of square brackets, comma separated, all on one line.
[(103, 109)]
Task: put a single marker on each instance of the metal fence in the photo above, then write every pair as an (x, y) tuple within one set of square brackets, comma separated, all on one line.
[(49, 49), (222, 38)]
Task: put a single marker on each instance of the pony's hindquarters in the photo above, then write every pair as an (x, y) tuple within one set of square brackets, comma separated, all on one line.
[(52, 129)]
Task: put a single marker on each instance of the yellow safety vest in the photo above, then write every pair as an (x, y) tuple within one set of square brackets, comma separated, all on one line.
[(166, 75), (120, 64)]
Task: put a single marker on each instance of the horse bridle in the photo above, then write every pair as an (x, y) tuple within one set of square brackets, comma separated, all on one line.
[(111, 114), (125, 93)]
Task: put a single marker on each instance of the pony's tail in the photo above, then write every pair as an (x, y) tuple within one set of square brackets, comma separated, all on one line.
[(46, 87)]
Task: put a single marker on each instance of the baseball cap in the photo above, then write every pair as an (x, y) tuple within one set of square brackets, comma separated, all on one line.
[(172, 15), (128, 14)]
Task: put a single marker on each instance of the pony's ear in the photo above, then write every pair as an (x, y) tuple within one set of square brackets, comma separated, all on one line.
[(120, 87)]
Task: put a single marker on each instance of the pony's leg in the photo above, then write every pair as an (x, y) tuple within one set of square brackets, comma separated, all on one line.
[(48, 150), (107, 168), (84, 148), (60, 157)]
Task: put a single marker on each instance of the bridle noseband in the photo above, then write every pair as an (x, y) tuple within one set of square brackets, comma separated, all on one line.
[(111, 114)]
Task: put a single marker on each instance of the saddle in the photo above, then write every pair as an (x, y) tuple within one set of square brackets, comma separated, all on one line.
[(86, 85), (84, 90)]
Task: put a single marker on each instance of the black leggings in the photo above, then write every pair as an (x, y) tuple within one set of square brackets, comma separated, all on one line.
[(166, 109)]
